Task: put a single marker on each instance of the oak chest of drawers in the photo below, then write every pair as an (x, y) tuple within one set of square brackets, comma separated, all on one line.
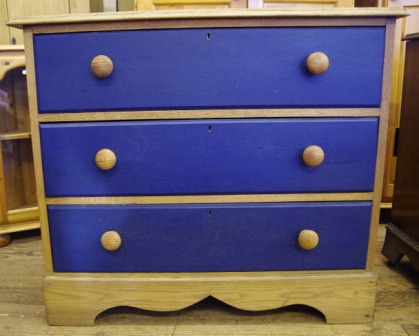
[(237, 154)]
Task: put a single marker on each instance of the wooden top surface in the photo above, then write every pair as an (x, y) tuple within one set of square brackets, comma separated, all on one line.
[(208, 14)]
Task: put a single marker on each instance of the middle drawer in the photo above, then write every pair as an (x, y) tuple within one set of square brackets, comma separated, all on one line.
[(209, 156)]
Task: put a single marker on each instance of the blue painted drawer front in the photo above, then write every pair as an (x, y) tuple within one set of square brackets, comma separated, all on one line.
[(209, 238), (236, 68), (209, 156)]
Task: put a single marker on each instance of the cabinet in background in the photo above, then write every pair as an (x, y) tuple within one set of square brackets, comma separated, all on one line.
[(404, 26), (402, 236), (18, 205), (12, 9)]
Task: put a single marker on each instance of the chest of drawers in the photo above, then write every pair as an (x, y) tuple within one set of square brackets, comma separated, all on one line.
[(237, 154)]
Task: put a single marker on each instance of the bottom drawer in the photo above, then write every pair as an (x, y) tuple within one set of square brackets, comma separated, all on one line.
[(209, 237)]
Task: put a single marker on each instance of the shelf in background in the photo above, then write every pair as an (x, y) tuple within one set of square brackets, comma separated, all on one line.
[(15, 135)]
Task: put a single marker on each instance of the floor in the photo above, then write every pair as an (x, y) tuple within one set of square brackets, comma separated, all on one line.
[(22, 310)]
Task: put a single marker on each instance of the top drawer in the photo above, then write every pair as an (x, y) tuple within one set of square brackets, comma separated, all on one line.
[(210, 68)]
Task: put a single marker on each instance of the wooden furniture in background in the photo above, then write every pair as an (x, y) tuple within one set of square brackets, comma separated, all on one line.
[(402, 236), (404, 26), (226, 4), (202, 125), (300, 3), (188, 4), (18, 206), (366, 3), (12, 9)]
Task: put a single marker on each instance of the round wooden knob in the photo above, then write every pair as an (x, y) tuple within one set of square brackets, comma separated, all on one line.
[(313, 156), (111, 240), (308, 239), (101, 66), (105, 159), (317, 63)]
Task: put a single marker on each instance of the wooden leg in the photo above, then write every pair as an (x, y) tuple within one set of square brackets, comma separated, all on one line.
[(77, 300), (397, 244), (4, 240)]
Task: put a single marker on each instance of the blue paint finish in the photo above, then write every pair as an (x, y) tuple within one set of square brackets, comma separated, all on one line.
[(236, 68), (209, 156), (209, 238)]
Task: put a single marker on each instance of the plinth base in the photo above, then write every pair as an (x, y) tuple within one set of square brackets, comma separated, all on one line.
[(78, 299)]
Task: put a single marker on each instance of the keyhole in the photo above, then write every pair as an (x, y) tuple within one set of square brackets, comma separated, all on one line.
[(209, 128), (208, 37), (210, 213)]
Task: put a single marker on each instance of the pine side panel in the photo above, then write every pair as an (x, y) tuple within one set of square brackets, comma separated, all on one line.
[(33, 109), (382, 139)]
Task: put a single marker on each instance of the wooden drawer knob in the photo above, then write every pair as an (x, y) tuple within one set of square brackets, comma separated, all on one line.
[(308, 239), (313, 156), (317, 63), (101, 66), (111, 240), (105, 159)]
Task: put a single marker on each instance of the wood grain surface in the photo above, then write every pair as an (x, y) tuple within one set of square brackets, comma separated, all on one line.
[(39, 178), (232, 13), (382, 139), (211, 22), (260, 198), (205, 114), (341, 298)]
